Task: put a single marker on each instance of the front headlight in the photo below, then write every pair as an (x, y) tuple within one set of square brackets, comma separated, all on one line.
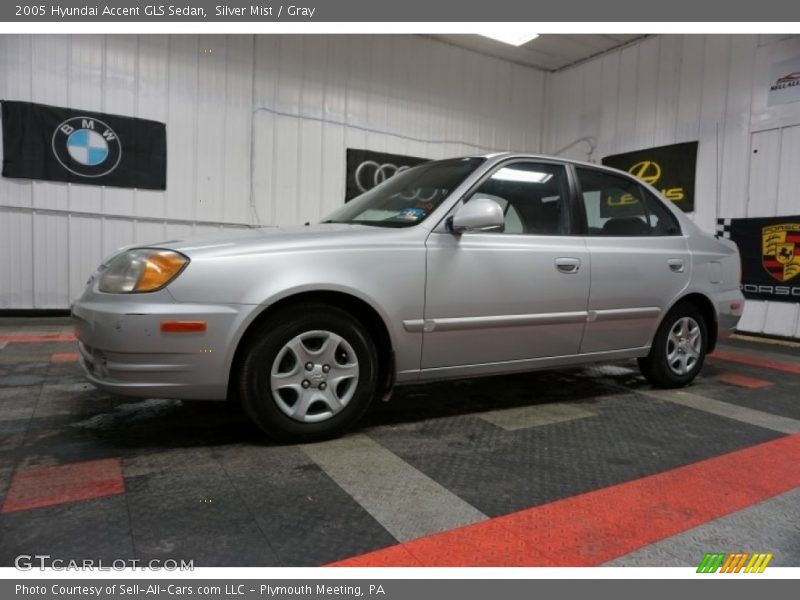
[(141, 270)]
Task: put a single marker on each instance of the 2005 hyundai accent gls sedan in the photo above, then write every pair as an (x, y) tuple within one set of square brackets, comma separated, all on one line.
[(455, 268)]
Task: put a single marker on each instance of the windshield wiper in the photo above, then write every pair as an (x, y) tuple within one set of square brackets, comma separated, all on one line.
[(394, 224)]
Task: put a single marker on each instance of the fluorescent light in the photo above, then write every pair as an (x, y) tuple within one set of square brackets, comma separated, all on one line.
[(514, 38), (509, 174)]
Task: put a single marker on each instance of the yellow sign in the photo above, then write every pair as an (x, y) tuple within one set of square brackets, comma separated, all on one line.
[(649, 171)]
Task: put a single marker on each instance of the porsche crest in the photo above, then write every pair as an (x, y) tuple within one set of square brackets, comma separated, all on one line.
[(780, 250)]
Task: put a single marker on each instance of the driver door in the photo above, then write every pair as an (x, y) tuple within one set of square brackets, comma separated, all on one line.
[(515, 294)]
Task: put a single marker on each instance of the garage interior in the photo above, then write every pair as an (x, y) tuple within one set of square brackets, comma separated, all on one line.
[(575, 467)]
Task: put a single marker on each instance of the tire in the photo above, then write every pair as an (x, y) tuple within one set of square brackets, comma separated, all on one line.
[(678, 350), (308, 373)]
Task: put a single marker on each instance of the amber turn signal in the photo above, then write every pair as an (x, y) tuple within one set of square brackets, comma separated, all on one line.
[(159, 269)]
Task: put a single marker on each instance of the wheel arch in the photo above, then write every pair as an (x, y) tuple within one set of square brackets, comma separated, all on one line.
[(706, 307), (358, 308)]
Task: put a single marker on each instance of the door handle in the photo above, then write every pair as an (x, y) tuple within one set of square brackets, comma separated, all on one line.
[(676, 265), (568, 265)]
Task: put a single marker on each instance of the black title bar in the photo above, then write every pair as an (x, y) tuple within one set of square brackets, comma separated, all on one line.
[(607, 11)]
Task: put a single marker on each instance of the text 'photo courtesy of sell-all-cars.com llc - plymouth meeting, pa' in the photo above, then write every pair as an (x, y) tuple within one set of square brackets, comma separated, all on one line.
[(457, 268)]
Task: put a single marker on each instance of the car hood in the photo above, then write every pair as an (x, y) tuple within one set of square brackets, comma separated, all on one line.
[(267, 239)]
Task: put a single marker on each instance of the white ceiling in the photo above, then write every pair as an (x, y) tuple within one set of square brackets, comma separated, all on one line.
[(549, 51)]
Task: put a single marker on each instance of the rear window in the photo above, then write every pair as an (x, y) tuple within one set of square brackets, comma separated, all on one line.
[(621, 207)]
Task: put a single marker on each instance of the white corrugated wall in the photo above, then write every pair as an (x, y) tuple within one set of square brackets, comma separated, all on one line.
[(711, 88), (297, 101)]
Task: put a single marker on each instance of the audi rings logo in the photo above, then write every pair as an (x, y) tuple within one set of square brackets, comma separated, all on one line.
[(370, 173), (367, 169), (86, 146)]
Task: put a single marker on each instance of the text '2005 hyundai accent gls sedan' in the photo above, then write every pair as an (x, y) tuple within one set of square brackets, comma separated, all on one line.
[(455, 268)]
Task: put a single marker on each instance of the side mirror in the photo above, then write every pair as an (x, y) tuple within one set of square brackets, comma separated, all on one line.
[(479, 214)]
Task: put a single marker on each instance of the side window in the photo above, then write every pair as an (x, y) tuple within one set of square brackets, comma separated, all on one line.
[(662, 221), (534, 197), (614, 205)]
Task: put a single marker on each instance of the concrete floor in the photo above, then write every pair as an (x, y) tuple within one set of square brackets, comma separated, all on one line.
[(584, 466)]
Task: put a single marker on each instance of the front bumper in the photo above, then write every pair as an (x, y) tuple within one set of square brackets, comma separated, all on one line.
[(123, 350)]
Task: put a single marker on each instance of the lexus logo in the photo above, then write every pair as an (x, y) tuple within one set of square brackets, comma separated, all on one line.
[(647, 171)]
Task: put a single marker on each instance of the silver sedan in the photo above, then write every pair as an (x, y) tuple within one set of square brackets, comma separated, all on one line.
[(456, 268)]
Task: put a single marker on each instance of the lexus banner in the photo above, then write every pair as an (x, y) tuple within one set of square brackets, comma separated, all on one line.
[(670, 169), (366, 169), (770, 249), (79, 146)]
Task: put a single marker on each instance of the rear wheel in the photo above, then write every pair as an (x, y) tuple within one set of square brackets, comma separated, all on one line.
[(678, 350), (308, 373)]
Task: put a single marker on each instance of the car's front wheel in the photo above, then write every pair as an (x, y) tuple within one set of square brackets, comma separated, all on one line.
[(679, 348), (308, 373)]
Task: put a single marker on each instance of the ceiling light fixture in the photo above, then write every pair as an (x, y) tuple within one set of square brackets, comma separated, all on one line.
[(511, 174), (514, 38)]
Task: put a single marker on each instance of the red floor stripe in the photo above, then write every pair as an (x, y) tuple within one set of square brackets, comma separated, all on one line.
[(64, 357), (762, 363), (41, 338), (752, 383), (596, 527), (48, 486)]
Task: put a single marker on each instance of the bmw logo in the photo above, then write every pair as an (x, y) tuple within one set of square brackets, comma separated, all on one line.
[(87, 147)]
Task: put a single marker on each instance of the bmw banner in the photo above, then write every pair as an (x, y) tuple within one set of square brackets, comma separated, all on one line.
[(770, 251), (78, 146), (366, 169), (669, 169)]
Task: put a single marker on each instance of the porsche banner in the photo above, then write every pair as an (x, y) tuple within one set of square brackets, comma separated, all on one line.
[(79, 146), (770, 249), (669, 169), (366, 169)]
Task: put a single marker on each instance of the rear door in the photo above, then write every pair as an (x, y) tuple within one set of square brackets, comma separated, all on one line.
[(640, 260)]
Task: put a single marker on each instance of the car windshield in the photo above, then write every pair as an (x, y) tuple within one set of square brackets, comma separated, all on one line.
[(407, 198)]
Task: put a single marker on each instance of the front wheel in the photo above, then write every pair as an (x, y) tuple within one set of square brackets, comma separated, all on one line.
[(678, 350), (308, 374)]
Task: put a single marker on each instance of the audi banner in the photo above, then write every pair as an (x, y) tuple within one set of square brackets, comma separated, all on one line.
[(78, 146), (366, 169), (770, 250), (669, 169)]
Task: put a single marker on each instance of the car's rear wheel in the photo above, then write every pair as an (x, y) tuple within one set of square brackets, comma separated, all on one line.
[(679, 348), (308, 373)]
